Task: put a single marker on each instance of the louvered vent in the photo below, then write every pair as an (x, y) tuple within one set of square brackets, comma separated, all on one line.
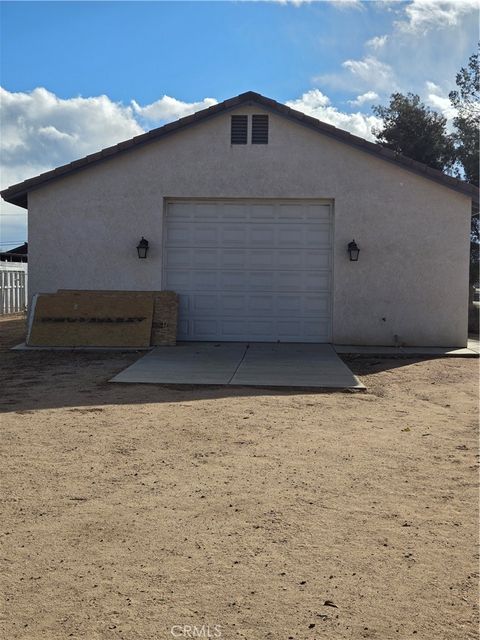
[(239, 129), (260, 129)]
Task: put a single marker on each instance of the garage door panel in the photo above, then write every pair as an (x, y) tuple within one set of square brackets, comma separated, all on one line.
[(178, 234), (289, 304), (248, 280), (180, 211), (260, 305), (289, 327), (232, 235), (227, 212), (289, 259), (292, 213), (321, 259), (235, 329), (231, 304), (302, 280), (177, 280), (262, 235), (250, 270), (183, 329), (184, 304), (262, 212), (202, 303), (270, 259), (260, 280), (203, 280), (178, 258), (318, 236), (258, 329), (233, 259), (245, 305), (205, 329), (251, 305), (314, 330), (205, 235), (186, 259), (206, 212), (302, 212), (234, 280), (262, 258), (204, 258), (316, 213), (290, 235), (317, 306)]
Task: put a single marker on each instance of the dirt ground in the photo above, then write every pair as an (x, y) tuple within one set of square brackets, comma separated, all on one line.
[(129, 509)]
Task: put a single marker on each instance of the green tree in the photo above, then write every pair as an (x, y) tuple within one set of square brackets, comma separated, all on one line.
[(413, 129), (466, 100)]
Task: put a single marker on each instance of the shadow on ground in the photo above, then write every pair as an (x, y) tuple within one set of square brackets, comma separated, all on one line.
[(33, 380)]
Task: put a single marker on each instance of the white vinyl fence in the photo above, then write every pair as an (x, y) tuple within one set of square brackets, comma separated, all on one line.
[(13, 287)]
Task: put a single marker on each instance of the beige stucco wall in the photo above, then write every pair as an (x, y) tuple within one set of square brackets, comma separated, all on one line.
[(412, 277)]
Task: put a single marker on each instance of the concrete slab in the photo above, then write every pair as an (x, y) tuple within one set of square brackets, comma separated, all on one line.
[(474, 344), (254, 364), (439, 351), (294, 365), (446, 352), (187, 363)]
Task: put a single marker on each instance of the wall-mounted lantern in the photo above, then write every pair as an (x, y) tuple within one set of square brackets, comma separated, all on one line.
[(353, 251), (142, 248)]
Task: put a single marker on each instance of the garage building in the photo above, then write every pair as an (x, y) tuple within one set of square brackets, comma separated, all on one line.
[(250, 209)]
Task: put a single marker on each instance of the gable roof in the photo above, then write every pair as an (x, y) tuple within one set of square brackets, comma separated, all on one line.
[(17, 193), (21, 250)]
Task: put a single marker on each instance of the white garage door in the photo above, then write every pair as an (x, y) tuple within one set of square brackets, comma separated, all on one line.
[(250, 270)]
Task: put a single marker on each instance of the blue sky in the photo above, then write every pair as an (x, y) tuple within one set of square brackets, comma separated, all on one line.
[(186, 49), (79, 76)]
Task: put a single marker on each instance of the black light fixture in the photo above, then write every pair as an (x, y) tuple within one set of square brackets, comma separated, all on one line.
[(142, 248), (353, 251)]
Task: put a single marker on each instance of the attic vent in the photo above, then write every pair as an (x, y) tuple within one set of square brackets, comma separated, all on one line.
[(260, 129), (239, 130)]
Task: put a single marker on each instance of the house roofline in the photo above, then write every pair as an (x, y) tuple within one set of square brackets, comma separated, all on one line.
[(18, 193)]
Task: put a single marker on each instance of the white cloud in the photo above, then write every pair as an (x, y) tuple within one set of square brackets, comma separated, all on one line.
[(367, 74), (342, 4), (310, 101), (372, 72), (167, 109), (296, 3), (40, 130), (414, 49), (366, 97), (377, 42), (315, 103), (423, 15), (347, 4), (438, 99)]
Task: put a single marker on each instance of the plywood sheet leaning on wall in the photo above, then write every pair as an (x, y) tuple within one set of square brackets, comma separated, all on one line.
[(165, 313), (91, 319)]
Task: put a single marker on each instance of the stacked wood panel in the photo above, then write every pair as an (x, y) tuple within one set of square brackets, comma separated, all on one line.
[(78, 318)]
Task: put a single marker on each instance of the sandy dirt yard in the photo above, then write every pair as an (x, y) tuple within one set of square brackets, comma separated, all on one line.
[(145, 512)]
